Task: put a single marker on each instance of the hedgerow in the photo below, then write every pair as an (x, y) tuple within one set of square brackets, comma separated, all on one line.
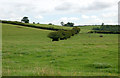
[(110, 29), (63, 35), (29, 25)]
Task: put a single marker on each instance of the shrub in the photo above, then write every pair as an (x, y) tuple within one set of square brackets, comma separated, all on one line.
[(76, 29), (54, 36), (101, 36), (62, 34), (97, 28), (101, 65), (50, 24), (67, 34)]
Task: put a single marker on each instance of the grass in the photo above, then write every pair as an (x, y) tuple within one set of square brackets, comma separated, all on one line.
[(29, 52), (52, 26)]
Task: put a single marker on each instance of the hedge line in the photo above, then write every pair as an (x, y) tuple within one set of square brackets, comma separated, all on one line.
[(62, 35), (105, 32), (107, 29), (28, 25)]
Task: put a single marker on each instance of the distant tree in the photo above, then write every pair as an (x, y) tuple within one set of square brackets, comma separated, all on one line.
[(25, 20), (50, 24), (33, 22), (102, 24), (62, 23), (38, 23), (69, 24)]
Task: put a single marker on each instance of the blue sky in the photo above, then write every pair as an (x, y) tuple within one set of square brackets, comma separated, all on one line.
[(80, 12)]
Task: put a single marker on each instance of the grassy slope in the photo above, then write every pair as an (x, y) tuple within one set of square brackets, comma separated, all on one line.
[(52, 26), (28, 51)]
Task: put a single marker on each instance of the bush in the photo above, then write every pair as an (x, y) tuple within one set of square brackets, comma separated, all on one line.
[(54, 36), (97, 28), (50, 24), (61, 34), (101, 65)]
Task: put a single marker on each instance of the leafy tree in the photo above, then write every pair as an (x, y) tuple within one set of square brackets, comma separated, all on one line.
[(25, 20), (69, 24), (33, 22), (62, 23), (102, 24), (50, 24)]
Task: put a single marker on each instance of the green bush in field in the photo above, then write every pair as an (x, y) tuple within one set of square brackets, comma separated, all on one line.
[(101, 65), (67, 34), (54, 36), (76, 29), (61, 34)]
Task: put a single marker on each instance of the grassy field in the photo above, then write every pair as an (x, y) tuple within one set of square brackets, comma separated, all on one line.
[(52, 26), (29, 52)]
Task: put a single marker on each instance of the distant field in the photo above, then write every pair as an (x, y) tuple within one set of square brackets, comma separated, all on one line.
[(52, 26), (39, 26), (29, 52)]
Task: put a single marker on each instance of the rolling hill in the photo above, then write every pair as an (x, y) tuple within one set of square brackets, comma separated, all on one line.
[(29, 52)]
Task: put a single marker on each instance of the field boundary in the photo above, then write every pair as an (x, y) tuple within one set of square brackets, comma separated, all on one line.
[(32, 26)]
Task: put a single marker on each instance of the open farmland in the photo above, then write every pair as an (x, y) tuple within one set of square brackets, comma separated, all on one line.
[(29, 52)]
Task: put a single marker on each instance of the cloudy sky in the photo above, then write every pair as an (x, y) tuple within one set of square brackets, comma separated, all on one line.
[(54, 11)]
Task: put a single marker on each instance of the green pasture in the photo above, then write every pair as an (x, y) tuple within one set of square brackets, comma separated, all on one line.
[(29, 52)]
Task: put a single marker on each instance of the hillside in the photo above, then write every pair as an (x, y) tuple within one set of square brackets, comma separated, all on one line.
[(29, 52), (39, 26)]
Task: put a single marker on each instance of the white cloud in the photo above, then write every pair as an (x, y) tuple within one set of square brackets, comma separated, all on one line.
[(93, 16), (110, 14), (39, 17), (99, 10), (85, 16)]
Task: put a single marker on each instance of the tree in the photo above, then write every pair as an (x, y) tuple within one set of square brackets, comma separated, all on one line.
[(102, 24), (62, 23), (33, 22), (50, 24), (69, 24), (25, 20)]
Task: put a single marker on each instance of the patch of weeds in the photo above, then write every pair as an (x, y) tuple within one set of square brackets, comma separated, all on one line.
[(100, 65), (89, 44), (23, 53), (17, 62), (53, 61), (80, 54), (109, 70), (58, 56), (38, 56), (49, 50), (48, 55), (75, 59)]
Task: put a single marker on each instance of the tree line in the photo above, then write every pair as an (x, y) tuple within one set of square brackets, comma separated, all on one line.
[(115, 29)]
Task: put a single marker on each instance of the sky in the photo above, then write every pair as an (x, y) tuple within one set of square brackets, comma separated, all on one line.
[(80, 12)]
